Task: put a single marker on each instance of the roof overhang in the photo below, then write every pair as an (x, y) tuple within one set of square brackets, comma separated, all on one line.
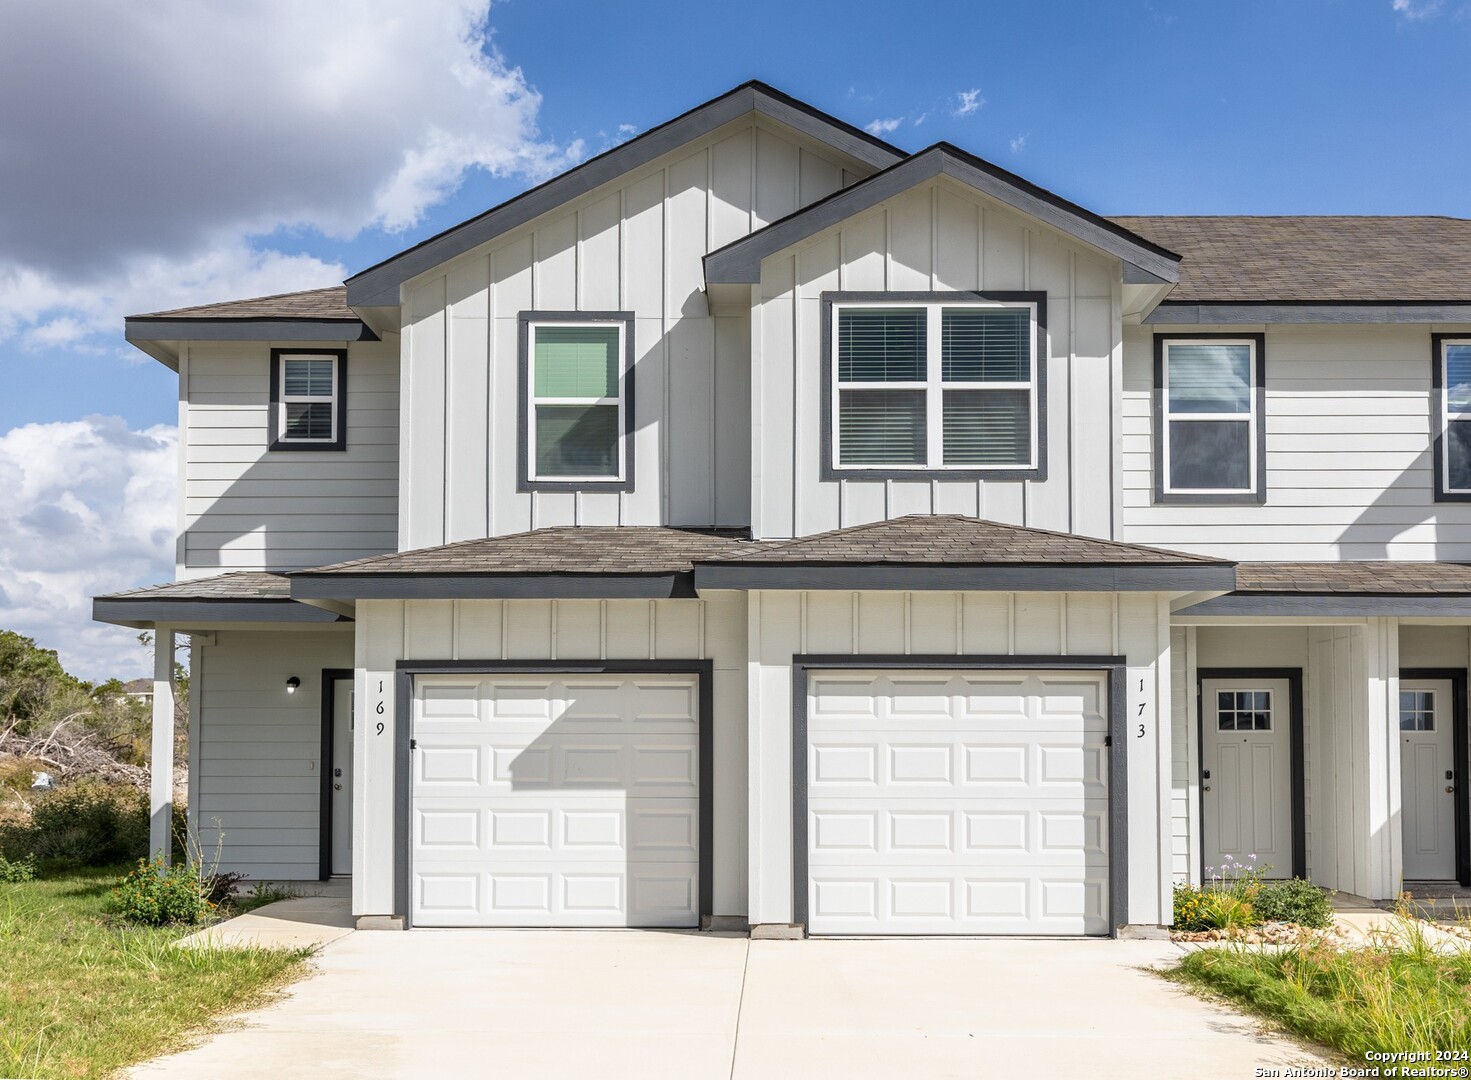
[(462, 586), (1314, 605), (154, 336), (1185, 577), (1144, 262), (1179, 313), (378, 286), (141, 613)]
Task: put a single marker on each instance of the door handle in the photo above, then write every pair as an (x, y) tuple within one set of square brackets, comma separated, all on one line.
[(338, 787), (1206, 788), (1449, 788)]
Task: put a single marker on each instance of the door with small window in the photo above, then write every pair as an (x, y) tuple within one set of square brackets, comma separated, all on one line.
[(1427, 779), (1246, 774)]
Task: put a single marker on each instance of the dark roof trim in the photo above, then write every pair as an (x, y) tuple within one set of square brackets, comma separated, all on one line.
[(1057, 578), (385, 586), (378, 285), (143, 611), (253, 329), (1308, 605), (1185, 314), (739, 262)]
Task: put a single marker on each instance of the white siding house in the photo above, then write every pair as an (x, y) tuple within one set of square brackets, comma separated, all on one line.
[(761, 526)]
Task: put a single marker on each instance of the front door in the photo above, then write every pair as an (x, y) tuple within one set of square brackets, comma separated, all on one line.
[(342, 776), (1427, 779), (1246, 774)]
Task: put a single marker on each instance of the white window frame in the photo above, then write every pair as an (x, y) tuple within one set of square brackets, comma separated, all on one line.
[(1447, 416), (934, 388), (1168, 418), (532, 401), (310, 399)]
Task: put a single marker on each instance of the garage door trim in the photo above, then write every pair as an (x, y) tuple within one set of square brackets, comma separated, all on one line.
[(703, 670), (1114, 667)]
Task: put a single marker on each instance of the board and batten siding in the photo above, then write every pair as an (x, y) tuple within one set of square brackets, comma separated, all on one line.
[(249, 508), (256, 787), (1133, 625), (574, 630), (635, 244), (1349, 464), (941, 236)]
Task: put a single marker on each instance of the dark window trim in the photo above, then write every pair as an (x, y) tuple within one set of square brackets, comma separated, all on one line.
[(274, 437), (525, 319), (1437, 434), (704, 672), (330, 678), (1296, 742), (830, 473), (1114, 667), (1461, 756), (1259, 405)]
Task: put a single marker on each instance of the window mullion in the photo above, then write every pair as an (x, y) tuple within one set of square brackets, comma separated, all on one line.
[(934, 392)]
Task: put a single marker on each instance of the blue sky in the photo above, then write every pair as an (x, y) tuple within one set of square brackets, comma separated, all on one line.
[(272, 162)]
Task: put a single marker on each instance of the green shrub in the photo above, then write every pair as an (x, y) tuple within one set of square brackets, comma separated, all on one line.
[(1227, 911), (1189, 906), (86, 823), (16, 871), (154, 894), (1294, 901)]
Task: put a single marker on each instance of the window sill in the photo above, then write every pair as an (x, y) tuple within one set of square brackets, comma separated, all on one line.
[(969, 475), (1233, 498)]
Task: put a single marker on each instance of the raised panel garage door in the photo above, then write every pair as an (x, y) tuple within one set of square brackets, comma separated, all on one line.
[(555, 800), (948, 802)]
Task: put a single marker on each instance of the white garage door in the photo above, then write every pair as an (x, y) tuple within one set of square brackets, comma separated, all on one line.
[(555, 800), (957, 803)]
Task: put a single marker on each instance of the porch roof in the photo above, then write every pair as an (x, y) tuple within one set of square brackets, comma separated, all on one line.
[(244, 596), (1344, 588)]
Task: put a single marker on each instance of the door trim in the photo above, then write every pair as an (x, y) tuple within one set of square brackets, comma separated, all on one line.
[(1460, 755), (330, 678), (1296, 744), (405, 670), (1114, 669)]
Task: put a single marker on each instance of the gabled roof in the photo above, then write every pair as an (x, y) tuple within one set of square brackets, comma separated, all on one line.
[(378, 285), (739, 262), (571, 561)]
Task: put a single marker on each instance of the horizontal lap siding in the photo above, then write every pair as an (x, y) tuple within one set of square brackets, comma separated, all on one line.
[(248, 508), (939, 237), (1349, 464), (574, 630), (255, 797), (633, 245)]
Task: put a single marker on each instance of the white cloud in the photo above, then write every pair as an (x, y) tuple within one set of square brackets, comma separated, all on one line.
[(1418, 9), (1018, 143), (153, 142), (89, 509), (969, 101), (882, 126)]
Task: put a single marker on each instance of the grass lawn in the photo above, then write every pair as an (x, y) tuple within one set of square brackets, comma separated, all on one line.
[(82, 996), (1398, 995)]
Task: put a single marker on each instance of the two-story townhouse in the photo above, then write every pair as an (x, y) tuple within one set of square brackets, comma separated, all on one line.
[(759, 525)]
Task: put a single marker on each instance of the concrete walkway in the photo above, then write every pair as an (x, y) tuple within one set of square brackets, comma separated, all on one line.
[(549, 1004), (307, 922)]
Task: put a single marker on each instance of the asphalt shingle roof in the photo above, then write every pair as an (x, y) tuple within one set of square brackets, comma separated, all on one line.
[(242, 585), (1386, 578), (325, 304), (953, 539), (1240, 259)]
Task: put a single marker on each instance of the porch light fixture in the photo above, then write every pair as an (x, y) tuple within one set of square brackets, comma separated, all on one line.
[(292, 684)]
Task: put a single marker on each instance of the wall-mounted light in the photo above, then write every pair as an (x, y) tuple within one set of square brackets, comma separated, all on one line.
[(292, 684)]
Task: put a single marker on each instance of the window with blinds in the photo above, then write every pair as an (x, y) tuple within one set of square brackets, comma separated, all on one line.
[(934, 387), (576, 408), (307, 399), (1455, 390), (1210, 417)]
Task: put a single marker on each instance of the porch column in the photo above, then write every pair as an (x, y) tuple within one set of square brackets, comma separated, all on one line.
[(161, 760)]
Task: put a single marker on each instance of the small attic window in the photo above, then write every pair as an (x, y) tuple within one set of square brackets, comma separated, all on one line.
[(308, 400)]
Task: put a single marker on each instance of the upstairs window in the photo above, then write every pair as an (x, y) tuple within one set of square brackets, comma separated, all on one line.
[(1453, 403), (941, 387), (1209, 442), (578, 409), (308, 400)]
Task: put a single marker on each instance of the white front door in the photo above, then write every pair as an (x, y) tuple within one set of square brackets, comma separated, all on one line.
[(556, 800), (1427, 779), (342, 776), (1246, 774), (957, 802)]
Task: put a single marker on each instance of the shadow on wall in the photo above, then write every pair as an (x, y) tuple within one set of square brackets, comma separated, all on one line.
[(1408, 503)]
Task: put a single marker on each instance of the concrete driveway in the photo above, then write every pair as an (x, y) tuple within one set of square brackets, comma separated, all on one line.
[(549, 1004)]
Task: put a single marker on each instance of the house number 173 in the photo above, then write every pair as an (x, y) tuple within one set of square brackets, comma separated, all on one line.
[(1142, 706)]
